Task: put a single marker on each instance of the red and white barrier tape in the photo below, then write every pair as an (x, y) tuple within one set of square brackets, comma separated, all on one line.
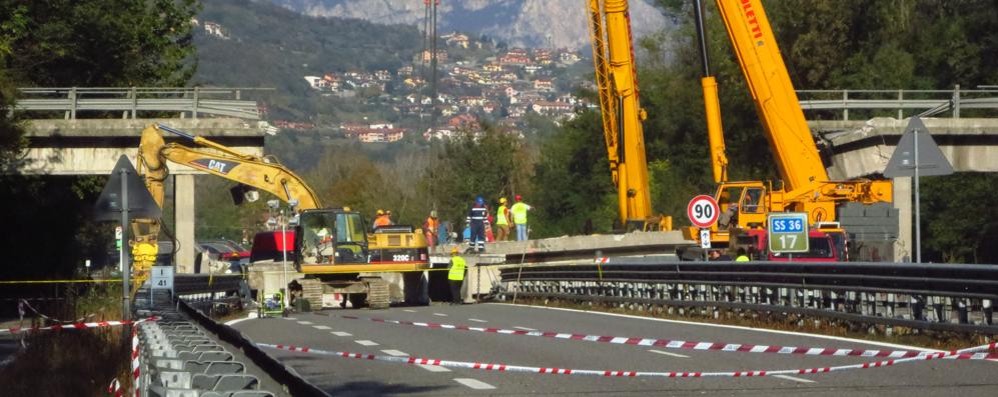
[(674, 344), (59, 327), (135, 361), (965, 354), (115, 389)]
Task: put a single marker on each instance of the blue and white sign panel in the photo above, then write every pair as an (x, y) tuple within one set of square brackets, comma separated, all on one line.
[(787, 232)]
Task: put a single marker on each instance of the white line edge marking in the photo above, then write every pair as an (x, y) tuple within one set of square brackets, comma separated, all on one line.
[(668, 353), (773, 331), (250, 316), (433, 368), (365, 342), (474, 383), (341, 333), (793, 378), (321, 327), (396, 353), (477, 320), (524, 328), (440, 314)]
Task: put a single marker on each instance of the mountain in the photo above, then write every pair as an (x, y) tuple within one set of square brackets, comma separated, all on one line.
[(520, 23)]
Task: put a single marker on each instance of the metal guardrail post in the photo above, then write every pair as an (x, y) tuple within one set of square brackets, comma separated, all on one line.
[(135, 101), (197, 98), (72, 105), (956, 101), (900, 100), (845, 103)]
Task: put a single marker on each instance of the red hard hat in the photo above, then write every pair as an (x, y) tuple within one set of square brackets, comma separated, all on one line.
[(519, 197)]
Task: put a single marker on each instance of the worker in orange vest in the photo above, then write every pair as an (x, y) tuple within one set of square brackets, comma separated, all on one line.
[(382, 219), (430, 228)]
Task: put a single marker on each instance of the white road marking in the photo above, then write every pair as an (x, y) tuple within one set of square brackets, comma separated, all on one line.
[(477, 320), (525, 328), (474, 383), (365, 342), (396, 353), (670, 354), (290, 318), (250, 316), (409, 310), (440, 314), (795, 379), (434, 368), (305, 322), (341, 333), (320, 326)]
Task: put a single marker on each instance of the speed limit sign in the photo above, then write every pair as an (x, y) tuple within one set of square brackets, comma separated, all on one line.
[(702, 211)]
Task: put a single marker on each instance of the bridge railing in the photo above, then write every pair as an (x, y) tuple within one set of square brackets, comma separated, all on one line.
[(922, 103), (132, 101), (944, 297)]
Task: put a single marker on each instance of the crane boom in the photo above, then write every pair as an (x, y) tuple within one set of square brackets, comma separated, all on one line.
[(616, 82)]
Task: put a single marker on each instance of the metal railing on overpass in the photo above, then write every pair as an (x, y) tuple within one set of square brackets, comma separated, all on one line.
[(946, 297), (922, 103), (132, 102)]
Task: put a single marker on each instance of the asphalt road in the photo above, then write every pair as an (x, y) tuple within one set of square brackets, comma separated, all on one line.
[(330, 330)]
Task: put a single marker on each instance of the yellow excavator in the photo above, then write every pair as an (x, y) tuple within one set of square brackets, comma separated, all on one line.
[(622, 115), (806, 187), (331, 245)]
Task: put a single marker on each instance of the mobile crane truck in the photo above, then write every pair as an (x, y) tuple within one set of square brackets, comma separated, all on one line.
[(331, 245), (806, 185)]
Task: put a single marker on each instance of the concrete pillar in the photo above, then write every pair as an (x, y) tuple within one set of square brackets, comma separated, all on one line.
[(183, 199), (905, 244)]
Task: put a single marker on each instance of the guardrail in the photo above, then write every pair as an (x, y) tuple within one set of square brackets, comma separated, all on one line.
[(946, 297), (131, 101), (923, 103)]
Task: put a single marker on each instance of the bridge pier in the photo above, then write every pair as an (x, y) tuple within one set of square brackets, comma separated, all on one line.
[(905, 244), (183, 198)]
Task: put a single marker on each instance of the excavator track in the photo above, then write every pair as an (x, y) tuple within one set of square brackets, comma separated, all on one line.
[(378, 295), (312, 292)]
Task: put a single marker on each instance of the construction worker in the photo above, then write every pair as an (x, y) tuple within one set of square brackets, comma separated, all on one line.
[(477, 222), (742, 256), (503, 219), (430, 227), (381, 219), (519, 211), (455, 276)]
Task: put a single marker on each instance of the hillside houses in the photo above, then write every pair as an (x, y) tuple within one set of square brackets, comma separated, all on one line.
[(503, 88)]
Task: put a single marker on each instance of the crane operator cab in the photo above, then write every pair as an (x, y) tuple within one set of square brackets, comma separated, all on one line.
[(329, 237)]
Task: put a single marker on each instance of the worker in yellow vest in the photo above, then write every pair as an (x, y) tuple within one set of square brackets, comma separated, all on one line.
[(455, 276), (519, 211), (503, 218)]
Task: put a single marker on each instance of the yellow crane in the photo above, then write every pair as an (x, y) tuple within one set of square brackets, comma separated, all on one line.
[(806, 186)]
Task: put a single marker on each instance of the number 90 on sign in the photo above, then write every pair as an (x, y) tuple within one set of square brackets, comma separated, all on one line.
[(702, 211)]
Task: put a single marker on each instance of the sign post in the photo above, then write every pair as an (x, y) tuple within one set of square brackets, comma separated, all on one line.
[(703, 212), (162, 278), (787, 232)]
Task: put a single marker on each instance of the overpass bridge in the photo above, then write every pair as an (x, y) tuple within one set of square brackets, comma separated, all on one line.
[(70, 132), (63, 143)]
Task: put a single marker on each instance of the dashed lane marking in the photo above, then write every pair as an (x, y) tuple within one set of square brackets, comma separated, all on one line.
[(670, 354), (305, 322), (341, 333), (474, 383), (440, 314), (290, 318), (525, 328), (396, 353), (365, 342), (477, 320), (409, 310), (795, 379), (320, 326), (433, 368)]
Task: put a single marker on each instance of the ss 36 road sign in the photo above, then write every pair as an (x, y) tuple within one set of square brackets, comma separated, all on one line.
[(787, 232), (702, 211)]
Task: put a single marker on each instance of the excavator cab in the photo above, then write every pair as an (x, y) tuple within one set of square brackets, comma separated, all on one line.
[(329, 237)]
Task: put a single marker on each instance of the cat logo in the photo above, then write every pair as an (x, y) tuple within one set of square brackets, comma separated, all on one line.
[(216, 166)]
